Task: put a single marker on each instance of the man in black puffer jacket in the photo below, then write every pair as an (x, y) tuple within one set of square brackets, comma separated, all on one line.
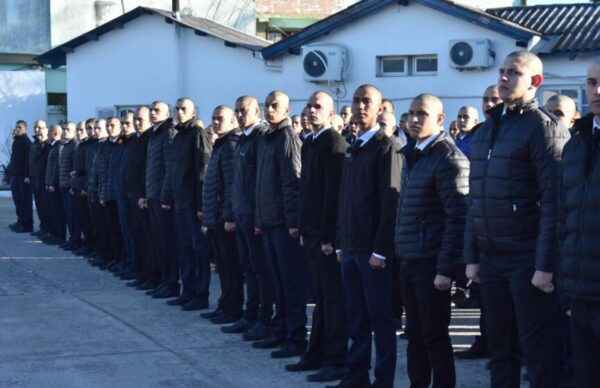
[(255, 324), (93, 161), (191, 151), (429, 229), (159, 195), (217, 216), (34, 154), (39, 183), (66, 158), (55, 203), (85, 130), (580, 236), (277, 190), (511, 228)]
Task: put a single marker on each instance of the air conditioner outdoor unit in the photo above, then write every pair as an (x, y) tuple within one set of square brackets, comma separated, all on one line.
[(324, 62), (471, 54)]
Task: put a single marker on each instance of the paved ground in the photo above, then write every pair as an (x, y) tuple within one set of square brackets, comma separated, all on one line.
[(66, 324)]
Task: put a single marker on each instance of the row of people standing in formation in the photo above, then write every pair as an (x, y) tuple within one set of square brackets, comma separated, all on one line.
[(357, 219)]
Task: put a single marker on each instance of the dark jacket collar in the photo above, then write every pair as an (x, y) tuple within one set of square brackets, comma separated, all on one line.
[(276, 128), (223, 139), (163, 125), (186, 125), (584, 126)]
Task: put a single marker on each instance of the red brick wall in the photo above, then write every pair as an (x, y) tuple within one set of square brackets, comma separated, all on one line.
[(302, 8)]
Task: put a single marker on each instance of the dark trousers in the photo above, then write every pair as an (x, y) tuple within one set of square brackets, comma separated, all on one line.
[(230, 271), (193, 255), (585, 324), (162, 225), (368, 310), (259, 296), (84, 218), (115, 241), (142, 237), (291, 276), (41, 205), (125, 221), (328, 343), (517, 313), (397, 302), (57, 214), (429, 351), (99, 223), (70, 208), (22, 197)]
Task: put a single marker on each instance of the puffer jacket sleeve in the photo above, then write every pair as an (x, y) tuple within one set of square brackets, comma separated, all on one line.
[(202, 153), (290, 166), (227, 170), (452, 182), (390, 170), (546, 150)]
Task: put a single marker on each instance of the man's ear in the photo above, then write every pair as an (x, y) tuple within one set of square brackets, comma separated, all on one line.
[(440, 119), (536, 80)]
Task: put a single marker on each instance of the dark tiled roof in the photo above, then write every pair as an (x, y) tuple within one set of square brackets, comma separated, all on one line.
[(364, 8), (574, 27), (57, 56)]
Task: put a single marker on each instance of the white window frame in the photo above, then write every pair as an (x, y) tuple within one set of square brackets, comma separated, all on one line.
[(416, 58), (382, 58), (557, 89)]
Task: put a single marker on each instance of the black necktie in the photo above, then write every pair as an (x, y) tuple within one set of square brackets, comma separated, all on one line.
[(355, 146)]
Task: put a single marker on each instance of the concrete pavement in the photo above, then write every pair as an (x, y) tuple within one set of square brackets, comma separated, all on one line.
[(66, 324)]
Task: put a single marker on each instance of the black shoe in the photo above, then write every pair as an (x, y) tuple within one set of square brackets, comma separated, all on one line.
[(159, 287), (13, 226), (288, 350), (55, 241), (257, 333), (476, 351), (137, 282), (180, 301), (167, 292), (328, 373), (403, 336), (303, 365), (127, 275), (271, 342), (212, 314), (148, 285), (196, 303), (239, 327), (23, 229), (114, 266), (225, 319), (352, 383)]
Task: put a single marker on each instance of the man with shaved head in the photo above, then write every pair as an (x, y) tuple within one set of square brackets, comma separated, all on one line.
[(466, 120), (580, 237), (135, 177), (322, 157), (218, 217), (429, 229), (277, 219), (159, 196), (256, 321), (564, 108), (57, 214), (34, 154), (191, 151), (20, 182), (78, 184), (369, 189), (66, 158), (511, 244)]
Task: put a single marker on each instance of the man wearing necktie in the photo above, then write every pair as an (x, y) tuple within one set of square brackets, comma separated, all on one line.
[(368, 193), (580, 236), (511, 243)]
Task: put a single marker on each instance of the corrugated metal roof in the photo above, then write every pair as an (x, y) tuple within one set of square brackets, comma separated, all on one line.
[(575, 26), (57, 56)]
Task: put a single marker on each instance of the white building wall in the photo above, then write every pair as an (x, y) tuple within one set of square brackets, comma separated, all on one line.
[(150, 59), (133, 66)]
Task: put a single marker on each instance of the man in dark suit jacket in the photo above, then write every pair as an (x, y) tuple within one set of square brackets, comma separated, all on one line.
[(369, 189), (322, 157), (20, 182)]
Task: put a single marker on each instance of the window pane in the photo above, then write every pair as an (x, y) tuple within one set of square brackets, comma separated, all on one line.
[(573, 93), (426, 64), (393, 65)]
